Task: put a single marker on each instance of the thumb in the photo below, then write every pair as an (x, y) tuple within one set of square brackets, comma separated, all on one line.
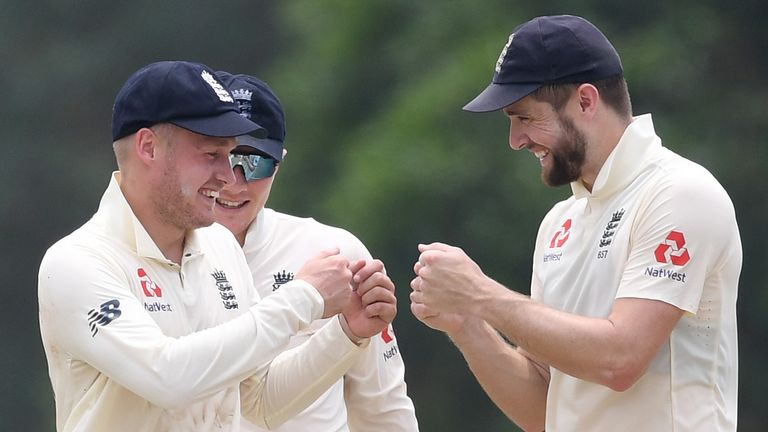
[(436, 246)]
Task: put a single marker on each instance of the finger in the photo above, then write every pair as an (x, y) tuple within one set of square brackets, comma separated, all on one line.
[(422, 312), (435, 246), (416, 283), (355, 266), (430, 257), (417, 266), (376, 280), (417, 297), (369, 268), (378, 294), (384, 311)]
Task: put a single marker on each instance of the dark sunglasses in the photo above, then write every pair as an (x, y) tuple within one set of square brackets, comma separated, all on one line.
[(255, 167)]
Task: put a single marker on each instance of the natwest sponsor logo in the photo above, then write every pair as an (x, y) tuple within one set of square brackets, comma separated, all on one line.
[(558, 240), (387, 335), (561, 236), (150, 288), (664, 273), (673, 250)]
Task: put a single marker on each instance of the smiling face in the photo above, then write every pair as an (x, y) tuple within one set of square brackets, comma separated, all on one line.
[(552, 137), (191, 172), (239, 203)]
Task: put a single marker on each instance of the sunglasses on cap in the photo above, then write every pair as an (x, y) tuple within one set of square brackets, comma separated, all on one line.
[(255, 167)]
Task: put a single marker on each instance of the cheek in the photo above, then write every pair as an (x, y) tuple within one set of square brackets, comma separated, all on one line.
[(258, 191)]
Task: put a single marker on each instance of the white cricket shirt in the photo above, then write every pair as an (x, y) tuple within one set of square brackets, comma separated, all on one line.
[(136, 342), (660, 227), (372, 396)]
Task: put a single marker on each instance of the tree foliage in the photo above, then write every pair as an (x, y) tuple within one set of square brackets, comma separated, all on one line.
[(377, 143)]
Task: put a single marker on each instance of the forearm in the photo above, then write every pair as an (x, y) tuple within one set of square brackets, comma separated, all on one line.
[(588, 348), (299, 376), (516, 384)]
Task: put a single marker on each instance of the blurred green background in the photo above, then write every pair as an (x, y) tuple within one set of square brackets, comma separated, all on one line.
[(377, 144)]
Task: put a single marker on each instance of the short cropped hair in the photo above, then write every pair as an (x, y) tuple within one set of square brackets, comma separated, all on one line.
[(613, 91)]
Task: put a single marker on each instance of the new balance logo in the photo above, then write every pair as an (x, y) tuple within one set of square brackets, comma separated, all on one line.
[(108, 312)]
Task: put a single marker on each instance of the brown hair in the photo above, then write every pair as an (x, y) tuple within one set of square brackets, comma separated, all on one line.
[(613, 91)]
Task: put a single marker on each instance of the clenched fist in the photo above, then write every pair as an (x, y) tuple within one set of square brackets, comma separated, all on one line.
[(373, 304), (330, 274)]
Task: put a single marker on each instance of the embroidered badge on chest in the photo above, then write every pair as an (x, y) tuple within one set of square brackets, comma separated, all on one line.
[(281, 278), (608, 233), (226, 292)]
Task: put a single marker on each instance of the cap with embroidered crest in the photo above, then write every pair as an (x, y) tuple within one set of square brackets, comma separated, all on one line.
[(555, 49), (259, 103), (185, 94)]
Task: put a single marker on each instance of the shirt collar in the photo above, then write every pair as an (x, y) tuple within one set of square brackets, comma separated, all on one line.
[(630, 156), (116, 218)]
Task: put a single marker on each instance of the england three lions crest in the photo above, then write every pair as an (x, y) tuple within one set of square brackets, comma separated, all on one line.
[(226, 292)]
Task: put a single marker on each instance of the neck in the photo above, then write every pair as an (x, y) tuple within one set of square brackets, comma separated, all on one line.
[(601, 146), (241, 237)]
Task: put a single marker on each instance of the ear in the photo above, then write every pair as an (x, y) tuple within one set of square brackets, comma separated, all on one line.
[(588, 98), (145, 145)]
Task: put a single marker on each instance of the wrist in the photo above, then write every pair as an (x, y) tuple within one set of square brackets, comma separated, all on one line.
[(355, 339), (465, 330)]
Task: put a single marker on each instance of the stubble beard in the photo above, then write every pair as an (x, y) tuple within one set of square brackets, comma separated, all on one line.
[(568, 160), (175, 204)]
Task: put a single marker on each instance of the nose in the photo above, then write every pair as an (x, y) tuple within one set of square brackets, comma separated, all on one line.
[(517, 139), (224, 171), (240, 184)]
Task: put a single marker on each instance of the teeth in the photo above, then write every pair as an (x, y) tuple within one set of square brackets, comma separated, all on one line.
[(541, 154), (211, 193), (232, 204)]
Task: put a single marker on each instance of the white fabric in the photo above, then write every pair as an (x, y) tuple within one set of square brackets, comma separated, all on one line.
[(372, 396), (136, 342), (650, 208)]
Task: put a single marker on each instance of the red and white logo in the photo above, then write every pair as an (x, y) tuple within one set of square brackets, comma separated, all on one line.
[(385, 334), (151, 289), (561, 236), (673, 250)]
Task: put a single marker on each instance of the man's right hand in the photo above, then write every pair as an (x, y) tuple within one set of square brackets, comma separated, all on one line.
[(450, 323), (329, 273)]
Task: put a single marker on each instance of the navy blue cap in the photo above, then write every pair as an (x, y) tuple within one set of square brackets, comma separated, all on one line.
[(259, 103), (547, 50), (185, 94)]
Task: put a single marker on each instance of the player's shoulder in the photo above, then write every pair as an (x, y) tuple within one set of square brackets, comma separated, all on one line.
[(310, 234), (308, 226), (81, 243), (557, 211), (216, 237), (679, 178)]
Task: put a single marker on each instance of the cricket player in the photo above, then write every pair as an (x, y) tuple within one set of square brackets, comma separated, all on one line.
[(372, 394), (631, 323), (148, 314)]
